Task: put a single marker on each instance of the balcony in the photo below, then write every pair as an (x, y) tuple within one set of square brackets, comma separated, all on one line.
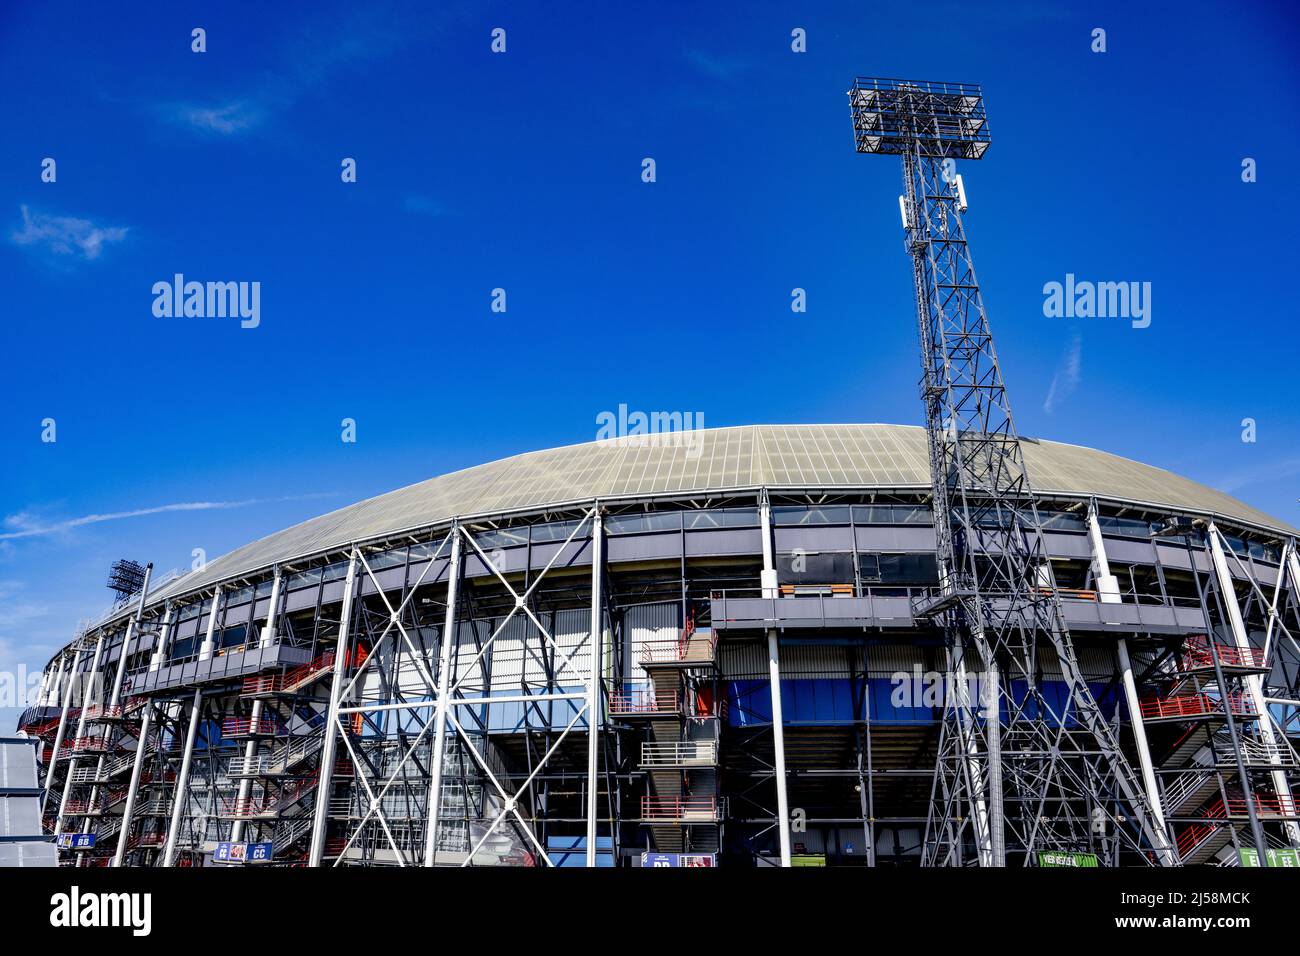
[(682, 810), (694, 648), (224, 664), (234, 727), (264, 805), (1199, 656), (290, 681), (683, 753), (1194, 707), (645, 703)]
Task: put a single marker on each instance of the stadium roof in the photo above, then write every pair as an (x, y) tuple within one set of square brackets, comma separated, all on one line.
[(714, 460)]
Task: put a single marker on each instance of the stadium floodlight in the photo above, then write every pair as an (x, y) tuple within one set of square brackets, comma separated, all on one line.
[(126, 577), (895, 117), (997, 603)]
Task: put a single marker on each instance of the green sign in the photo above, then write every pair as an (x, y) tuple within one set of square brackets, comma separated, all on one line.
[(1066, 859), (1286, 856)]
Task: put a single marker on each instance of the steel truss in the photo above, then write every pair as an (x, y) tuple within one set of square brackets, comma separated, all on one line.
[(411, 716), (1017, 773)]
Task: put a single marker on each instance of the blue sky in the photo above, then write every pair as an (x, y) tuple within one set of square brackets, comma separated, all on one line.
[(522, 171)]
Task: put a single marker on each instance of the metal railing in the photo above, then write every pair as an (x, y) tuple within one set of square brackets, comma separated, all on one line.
[(248, 727), (682, 753), (278, 760), (645, 702), (1194, 705), (1186, 785), (290, 680), (682, 809), (1198, 655)]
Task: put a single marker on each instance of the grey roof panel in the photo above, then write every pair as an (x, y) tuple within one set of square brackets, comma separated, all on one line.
[(710, 460)]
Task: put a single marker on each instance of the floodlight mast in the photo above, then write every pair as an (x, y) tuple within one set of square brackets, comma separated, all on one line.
[(1046, 776)]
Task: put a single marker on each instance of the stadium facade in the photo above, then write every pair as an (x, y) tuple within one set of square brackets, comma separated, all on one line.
[(414, 679)]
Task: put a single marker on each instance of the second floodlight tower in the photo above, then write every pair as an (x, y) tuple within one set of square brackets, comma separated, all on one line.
[(1018, 772)]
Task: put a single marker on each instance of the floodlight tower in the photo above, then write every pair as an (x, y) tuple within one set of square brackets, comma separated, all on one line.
[(1036, 774)]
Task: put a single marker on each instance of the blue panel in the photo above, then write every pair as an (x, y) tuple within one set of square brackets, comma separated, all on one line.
[(571, 851)]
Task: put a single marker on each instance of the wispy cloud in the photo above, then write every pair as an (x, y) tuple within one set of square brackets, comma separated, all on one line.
[(1278, 470), (718, 67), (1066, 379), (305, 63), (224, 120), (25, 525), (65, 236)]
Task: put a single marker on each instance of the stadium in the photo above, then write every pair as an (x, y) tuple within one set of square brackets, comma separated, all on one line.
[(711, 648)]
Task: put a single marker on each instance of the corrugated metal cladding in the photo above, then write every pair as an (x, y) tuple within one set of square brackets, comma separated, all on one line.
[(710, 460), (647, 624), (519, 656), (748, 661)]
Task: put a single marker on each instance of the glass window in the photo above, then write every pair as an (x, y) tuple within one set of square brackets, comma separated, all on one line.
[(335, 572), (1063, 521), (386, 559), (898, 569), (502, 538), (422, 552), (892, 514), (722, 518), (1125, 527), (303, 579), (809, 515), (815, 567), (553, 531), (643, 522)]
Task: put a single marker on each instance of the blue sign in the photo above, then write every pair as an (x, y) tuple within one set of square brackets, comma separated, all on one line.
[(76, 841), (243, 852), (661, 861)]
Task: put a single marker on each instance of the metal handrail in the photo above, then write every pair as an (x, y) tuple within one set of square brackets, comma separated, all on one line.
[(682, 753), (645, 702), (1193, 705), (706, 809)]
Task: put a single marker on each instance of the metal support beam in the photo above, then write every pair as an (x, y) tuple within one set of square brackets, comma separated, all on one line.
[(183, 779), (1254, 684), (142, 743), (209, 639), (63, 723), (443, 703), (92, 678), (255, 717), (1108, 591), (771, 590), (594, 684), (331, 730)]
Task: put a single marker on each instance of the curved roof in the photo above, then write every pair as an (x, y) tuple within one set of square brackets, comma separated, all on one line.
[(707, 461)]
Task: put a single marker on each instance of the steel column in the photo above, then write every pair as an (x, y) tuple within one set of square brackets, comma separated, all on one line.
[(92, 677), (331, 730), (142, 743), (63, 723), (443, 702), (206, 648), (183, 778), (1108, 592), (594, 683), (250, 748), (1254, 687), (771, 590)]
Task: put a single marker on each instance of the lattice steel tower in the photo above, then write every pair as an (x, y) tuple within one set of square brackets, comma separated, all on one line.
[(1049, 774)]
